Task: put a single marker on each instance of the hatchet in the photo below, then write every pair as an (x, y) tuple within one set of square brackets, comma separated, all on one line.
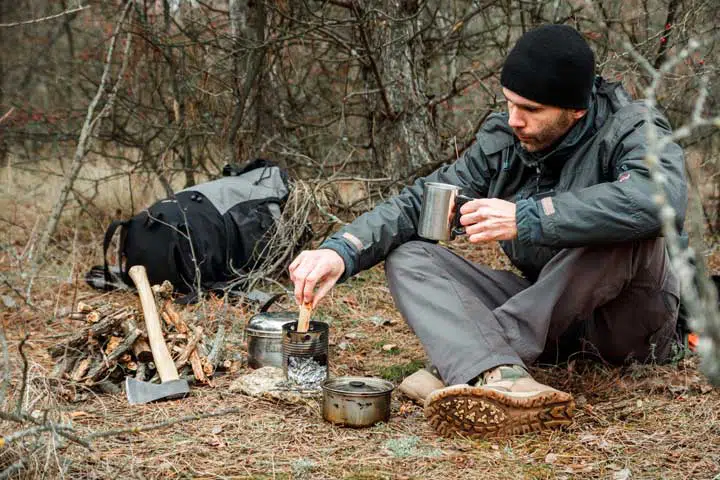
[(172, 386)]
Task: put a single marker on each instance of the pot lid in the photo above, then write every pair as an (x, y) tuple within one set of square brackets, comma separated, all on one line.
[(361, 386), (270, 321)]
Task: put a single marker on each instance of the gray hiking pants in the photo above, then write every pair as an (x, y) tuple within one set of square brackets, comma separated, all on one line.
[(614, 302)]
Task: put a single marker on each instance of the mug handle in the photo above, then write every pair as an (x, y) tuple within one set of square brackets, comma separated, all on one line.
[(458, 229)]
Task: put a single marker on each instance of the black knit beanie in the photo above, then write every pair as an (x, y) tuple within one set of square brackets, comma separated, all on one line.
[(552, 65)]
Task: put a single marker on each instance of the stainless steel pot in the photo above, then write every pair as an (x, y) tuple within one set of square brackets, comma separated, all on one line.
[(263, 334), (356, 401)]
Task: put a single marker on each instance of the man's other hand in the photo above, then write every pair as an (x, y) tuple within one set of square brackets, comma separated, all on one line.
[(487, 219), (313, 269)]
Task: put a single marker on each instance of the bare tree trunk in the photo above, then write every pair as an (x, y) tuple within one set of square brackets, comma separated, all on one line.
[(405, 137), (246, 20)]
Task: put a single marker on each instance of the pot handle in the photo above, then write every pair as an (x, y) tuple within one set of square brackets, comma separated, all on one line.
[(265, 306)]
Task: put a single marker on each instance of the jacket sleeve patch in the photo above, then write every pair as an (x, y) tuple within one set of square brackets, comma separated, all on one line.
[(354, 240), (547, 206), (623, 176)]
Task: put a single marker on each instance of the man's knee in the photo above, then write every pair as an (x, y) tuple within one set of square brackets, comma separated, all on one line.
[(409, 254)]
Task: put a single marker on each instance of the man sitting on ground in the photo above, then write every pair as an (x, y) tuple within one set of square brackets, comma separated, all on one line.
[(561, 181)]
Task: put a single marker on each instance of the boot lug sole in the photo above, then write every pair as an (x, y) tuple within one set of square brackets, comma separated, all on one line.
[(480, 413)]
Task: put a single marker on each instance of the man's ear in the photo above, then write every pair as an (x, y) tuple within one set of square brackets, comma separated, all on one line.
[(578, 114)]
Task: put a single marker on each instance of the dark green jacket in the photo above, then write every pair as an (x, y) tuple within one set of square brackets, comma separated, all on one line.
[(592, 188)]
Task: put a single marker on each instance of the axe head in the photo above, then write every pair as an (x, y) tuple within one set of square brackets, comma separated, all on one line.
[(145, 392)]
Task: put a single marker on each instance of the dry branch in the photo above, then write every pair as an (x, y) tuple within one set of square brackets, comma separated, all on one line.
[(86, 133), (189, 348), (105, 364), (102, 327), (44, 19)]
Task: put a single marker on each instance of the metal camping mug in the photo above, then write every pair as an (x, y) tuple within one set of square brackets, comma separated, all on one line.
[(440, 213)]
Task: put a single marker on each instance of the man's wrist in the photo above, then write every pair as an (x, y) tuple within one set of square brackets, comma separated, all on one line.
[(345, 251)]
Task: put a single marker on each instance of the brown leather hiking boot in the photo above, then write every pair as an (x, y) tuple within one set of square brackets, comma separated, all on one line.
[(420, 384), (506, 401)]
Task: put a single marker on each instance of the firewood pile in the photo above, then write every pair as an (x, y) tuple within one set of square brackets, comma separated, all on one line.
[(112, 344)]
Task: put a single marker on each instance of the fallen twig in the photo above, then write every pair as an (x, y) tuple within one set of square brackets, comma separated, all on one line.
[(166, 423)]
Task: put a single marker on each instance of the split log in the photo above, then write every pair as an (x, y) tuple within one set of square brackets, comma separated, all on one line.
[(216, 352), (197, 368), (140, 348), (106, 363), (80, 369), (142, 351), (172, 318), (83, 307), (94, 314), (104, 327), (112, 344), (207, 367), (189, 348)]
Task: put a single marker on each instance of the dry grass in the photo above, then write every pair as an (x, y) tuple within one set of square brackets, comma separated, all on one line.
[(653, 421), (633, 422)]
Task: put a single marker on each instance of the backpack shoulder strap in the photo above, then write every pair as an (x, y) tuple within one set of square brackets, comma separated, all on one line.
[(109, 233)]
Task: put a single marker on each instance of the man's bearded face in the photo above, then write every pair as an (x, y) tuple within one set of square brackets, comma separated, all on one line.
[(538, 126)]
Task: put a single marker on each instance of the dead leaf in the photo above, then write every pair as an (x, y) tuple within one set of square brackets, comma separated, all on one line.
[(623, 474), (355, 335), (551, 458), (388, 347), (78, 413), (216, 429), (406, 408)]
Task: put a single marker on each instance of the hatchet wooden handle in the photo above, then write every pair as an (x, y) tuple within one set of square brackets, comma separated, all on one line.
[(161, 355)]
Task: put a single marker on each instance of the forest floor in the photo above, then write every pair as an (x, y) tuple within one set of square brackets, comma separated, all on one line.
[(636, 421)]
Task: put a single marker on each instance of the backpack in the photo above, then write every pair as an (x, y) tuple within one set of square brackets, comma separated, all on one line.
[(204, 236)]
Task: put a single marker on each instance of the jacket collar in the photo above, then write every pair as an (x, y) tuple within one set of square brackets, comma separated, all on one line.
[(606, 97)]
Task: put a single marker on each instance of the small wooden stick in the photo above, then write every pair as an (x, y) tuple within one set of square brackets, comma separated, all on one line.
[(197, 368), (304, 317), (80, 369), (189, 348)]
